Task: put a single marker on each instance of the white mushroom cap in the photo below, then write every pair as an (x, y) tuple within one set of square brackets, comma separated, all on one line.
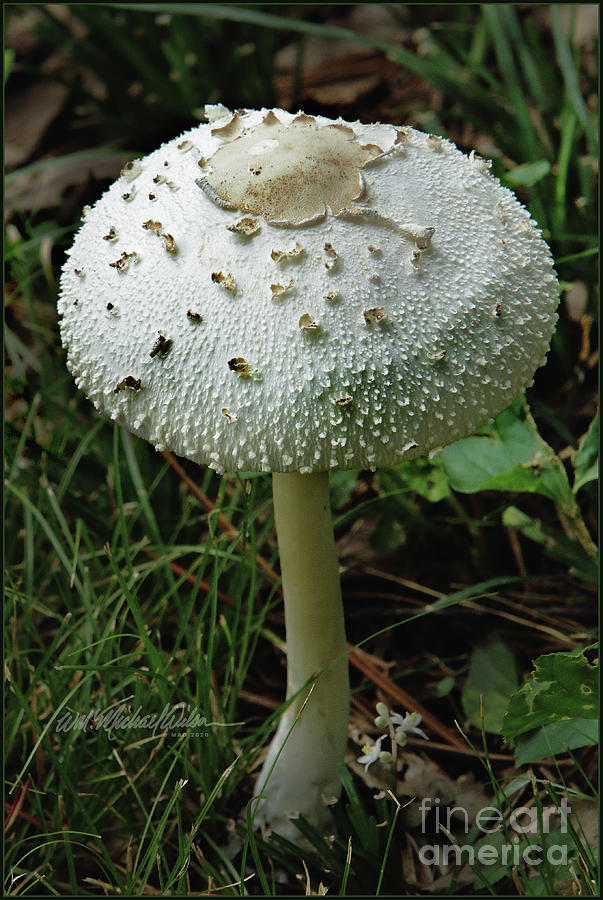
[(288, 293)]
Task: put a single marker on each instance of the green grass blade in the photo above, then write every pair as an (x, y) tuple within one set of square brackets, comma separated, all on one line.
[(570, 75)]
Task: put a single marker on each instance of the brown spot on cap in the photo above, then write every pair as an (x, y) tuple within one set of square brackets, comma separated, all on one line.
[(169, 242), (131, 170), (332, 254), (376, 314), (168, 239), (307, 323), (246, 226), (161, 347), (284, 255), (128, 382), (225, 281), (278, 289), (239, 364), (123, 263)]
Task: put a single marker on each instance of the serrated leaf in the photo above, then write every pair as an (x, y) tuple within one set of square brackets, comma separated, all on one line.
[(586, 460), (492, 679), (508, 455), (562, 686), (556, 738)]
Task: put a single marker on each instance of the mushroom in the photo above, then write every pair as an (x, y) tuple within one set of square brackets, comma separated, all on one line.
[(409, 355)]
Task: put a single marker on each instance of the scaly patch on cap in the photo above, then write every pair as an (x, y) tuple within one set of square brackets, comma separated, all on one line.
[(287, 173)]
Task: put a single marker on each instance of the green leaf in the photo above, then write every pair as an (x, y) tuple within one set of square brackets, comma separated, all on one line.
[(342, 483), (499, 862), (491, 681), (556, 738), (9, 61), (388, 532), (508, 455), (364, 824), (444, 686), (504, 48), (586, 460), (527, 174), (425, 476), (562, 686), (487, 877)]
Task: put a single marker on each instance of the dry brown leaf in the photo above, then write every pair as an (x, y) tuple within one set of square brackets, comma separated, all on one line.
[(20, 34), (354, 547), (423, 778), (44, 188), (576, 298), (28, 115), (340, 72), (583, 19), (585, 819)]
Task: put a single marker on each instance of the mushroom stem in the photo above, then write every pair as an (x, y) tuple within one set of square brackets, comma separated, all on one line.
[(305, 774)]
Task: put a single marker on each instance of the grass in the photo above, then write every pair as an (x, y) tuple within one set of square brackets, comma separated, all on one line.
[(127, 590)]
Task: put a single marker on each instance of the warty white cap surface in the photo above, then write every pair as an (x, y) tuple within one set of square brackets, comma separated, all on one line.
[(378, 295)]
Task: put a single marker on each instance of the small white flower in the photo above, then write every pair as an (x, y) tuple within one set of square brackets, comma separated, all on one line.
[(372, 754), (407, 724)]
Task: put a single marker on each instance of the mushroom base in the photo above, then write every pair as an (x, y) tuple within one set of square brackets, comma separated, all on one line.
[(300, 774)]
